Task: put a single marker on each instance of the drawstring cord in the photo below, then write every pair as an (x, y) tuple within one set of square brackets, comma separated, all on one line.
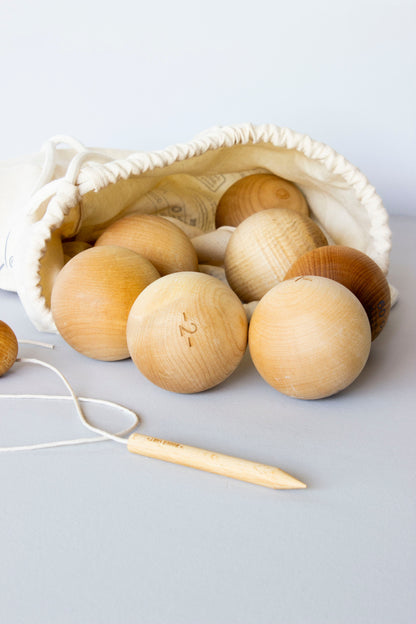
[(46, 185)]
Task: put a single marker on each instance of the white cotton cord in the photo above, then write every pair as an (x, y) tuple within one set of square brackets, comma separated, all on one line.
[(66, 139), (43, 445), (104, 435), (49, 149), (46, 175), (43, 194), (36, 343), (78, 408), (78, 160), (47, 185)]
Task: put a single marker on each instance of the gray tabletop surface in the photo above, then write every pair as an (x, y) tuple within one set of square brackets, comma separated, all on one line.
[(93, 534)]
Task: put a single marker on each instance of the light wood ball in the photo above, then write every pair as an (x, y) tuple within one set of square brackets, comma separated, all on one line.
[(8, 348), (72, 248), (263, 248), (309, 337), (92, 297), (260, 191), (187, 332), (354, 270), (163, 243)]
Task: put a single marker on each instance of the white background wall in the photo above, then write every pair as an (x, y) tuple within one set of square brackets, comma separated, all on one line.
[(141, 75)]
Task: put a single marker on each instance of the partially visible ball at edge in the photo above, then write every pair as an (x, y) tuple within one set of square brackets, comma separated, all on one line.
[(8, 348)]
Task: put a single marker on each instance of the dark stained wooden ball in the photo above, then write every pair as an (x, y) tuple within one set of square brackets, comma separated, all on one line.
[(354, 270)]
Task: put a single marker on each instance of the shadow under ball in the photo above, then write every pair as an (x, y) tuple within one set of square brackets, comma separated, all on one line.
[(187, 332), (260, 191), (163, 243), (92, 297), (309, 337), (354, 270), (263, 248), (8, 348)]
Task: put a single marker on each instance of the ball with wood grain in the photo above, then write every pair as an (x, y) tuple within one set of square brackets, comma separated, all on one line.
[(187, 332), (92, 297), (309, 337), (263, 248), (260, 191), (8, 348), (355, 270), (72, 248), (163, 243)]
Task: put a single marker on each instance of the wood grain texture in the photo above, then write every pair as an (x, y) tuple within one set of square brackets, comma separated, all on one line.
[(260, 191), (72, 248), (354, 270), (263, 248), (8, 348), (202, 459), (92, 297), (309, 337), (162, 242), (187, 332)]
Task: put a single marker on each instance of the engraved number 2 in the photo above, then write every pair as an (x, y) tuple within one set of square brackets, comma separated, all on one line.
[(190, 329)]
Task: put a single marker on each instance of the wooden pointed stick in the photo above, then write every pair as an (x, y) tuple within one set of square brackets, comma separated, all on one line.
[(233, 467)]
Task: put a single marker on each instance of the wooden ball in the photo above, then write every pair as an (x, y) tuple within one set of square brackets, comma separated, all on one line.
[(260, 191), (264, 246), (72, 248), (354, 270), (309, 337), (8, 348), (163, 243), (92, 297), (187, 332)]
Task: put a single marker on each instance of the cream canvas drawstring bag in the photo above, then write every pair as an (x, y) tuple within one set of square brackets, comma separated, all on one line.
[(74, 193)]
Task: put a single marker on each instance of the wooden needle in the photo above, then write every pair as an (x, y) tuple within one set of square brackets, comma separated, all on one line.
[(233, 467)]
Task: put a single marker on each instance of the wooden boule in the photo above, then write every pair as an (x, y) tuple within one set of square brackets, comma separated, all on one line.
[(92, 297), (72, 248), (309, 337), (260, 191), (354, 270), (162, 242), (187, 332), (263, 248), (8, 348)]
